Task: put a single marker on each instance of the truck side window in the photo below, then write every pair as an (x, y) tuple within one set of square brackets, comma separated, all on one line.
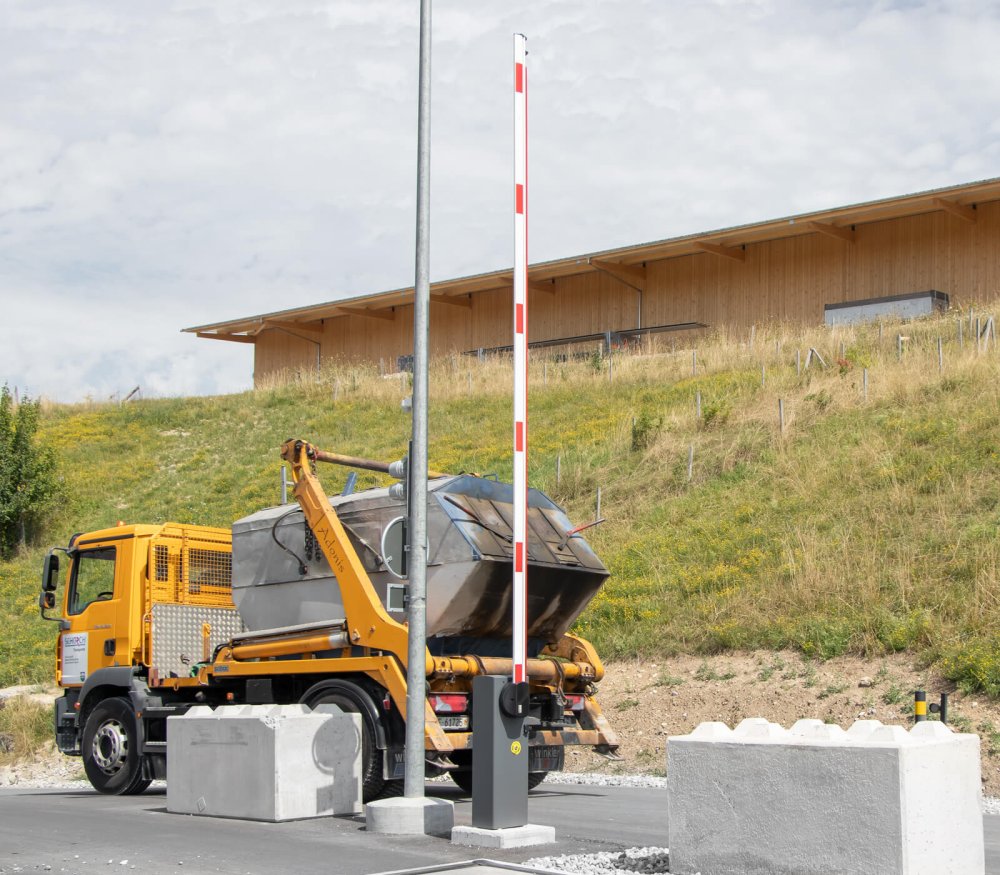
[(93, 578)]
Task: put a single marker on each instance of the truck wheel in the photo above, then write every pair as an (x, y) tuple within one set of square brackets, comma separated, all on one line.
[(464, 780), (111, 749), (344, 698), (536, 778)]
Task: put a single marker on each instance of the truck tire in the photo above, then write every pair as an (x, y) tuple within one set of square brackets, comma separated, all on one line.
[(110, 749), (464, 780), (348, 697)]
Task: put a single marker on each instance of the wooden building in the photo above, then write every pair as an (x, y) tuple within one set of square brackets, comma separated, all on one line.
[(786, 269)]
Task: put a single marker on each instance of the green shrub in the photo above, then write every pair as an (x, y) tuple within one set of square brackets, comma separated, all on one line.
[(27, 472)]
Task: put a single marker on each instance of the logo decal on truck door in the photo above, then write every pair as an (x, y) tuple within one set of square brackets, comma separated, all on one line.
[(74, 658)]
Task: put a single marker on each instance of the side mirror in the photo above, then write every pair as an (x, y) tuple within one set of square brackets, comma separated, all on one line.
[(50, 580), (50, 573)]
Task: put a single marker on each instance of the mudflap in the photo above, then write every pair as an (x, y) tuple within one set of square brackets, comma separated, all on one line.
[(546, 757), (394, 764)]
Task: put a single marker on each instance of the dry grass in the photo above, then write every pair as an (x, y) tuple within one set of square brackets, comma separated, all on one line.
[(25, 725)]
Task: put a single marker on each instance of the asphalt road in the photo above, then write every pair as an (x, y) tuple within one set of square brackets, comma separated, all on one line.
[(82, 831)]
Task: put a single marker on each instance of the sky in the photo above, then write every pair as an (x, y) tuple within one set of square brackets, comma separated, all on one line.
[(174, 163)]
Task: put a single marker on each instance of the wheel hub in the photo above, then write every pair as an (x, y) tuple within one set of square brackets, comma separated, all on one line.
[(110, 748)]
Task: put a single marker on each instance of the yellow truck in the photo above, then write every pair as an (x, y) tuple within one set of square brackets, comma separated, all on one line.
[(296, 604)]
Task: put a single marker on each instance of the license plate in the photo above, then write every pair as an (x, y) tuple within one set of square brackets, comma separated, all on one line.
[(453, 721)]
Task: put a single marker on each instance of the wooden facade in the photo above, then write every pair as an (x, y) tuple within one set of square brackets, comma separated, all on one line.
[(784, 270)]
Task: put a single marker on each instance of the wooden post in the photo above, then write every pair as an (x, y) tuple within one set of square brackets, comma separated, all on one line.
[(558, 468), (798, 363), (694, 362), (690, 462), (864, 383), (899, 347), (781, 416), (753, 332), (611, 367), (545, 373), (843, 351), (979, 335), (598, 502), (697, 404), (940, 356), (961, 338)]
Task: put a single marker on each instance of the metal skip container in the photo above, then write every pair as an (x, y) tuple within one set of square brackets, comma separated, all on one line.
[(281, 578)]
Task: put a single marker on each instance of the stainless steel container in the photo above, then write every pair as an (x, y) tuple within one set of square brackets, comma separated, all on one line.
[(469, 575)]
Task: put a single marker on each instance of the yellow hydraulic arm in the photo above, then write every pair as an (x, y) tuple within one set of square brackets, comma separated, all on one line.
[(368, 623)]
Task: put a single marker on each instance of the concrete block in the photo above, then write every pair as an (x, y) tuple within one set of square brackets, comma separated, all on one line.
[(508, 837), (874, 800), (264, 762), (400, 815), (714, 729)]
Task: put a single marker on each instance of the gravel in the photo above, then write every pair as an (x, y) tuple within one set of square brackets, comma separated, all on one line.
[(634, 861), (595, 780)]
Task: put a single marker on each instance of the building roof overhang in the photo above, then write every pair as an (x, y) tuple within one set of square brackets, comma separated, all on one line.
[(626, 263)]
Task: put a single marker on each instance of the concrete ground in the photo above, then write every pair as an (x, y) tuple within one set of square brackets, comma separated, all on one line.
[(82, 831)]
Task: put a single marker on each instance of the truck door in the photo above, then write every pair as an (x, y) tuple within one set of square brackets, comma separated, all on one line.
[(92, 602)]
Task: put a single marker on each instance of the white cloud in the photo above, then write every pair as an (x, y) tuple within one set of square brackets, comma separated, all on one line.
[(175, 163)]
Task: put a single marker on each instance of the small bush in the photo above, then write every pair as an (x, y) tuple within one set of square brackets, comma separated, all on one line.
[(27, 472), (975, 666), (645, 428)]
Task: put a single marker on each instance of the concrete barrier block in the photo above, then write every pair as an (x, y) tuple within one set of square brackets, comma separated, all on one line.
[(264, 762), (863, 728), (759, 729), (874, 800)]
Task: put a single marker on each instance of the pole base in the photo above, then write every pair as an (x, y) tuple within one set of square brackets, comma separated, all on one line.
[(401, 815), (509, 837)]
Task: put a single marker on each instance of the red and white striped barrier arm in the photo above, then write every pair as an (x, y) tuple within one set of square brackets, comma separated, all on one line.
[(520, 626)]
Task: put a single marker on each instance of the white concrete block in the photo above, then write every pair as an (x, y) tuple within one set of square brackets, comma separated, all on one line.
[(816, 729), (264, 762), (863, 728), (875, 800), (760, 729), (711, 730), (508, 837), (400, 815)]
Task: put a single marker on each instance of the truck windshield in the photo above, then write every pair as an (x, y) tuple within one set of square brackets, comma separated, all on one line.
[(93, 578)]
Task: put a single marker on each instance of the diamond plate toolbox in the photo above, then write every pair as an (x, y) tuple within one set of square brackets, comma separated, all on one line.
[(177, 635)]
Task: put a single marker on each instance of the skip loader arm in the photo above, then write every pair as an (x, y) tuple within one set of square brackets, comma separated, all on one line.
[(368, 624)]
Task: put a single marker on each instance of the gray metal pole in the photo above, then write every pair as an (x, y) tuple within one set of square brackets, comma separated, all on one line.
[(416, 680)]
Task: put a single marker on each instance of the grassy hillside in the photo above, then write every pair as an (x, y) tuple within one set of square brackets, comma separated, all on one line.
[(865, 525)]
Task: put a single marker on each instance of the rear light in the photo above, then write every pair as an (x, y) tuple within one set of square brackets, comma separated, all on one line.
[(574, 703), (449, 703)]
